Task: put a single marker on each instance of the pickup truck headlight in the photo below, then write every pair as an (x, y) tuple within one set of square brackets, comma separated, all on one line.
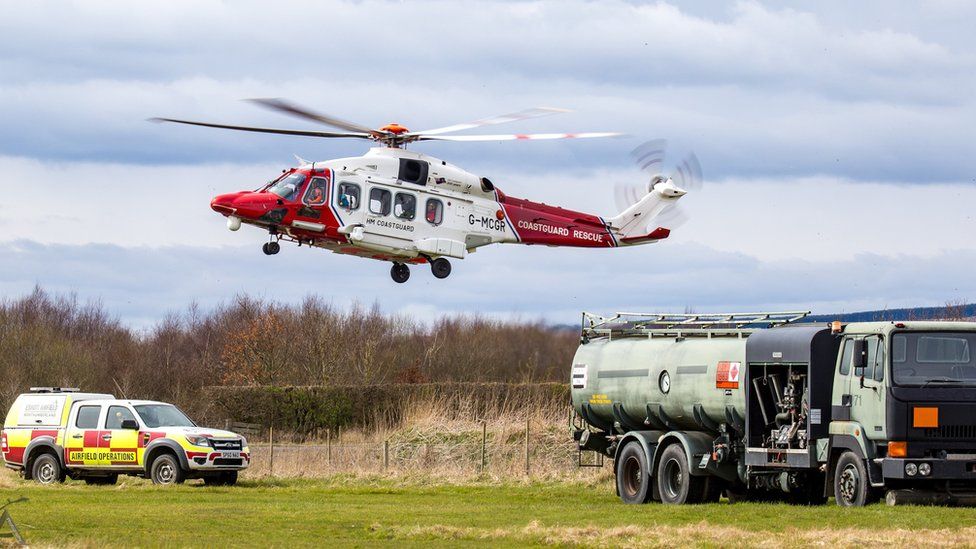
[(198, 440)]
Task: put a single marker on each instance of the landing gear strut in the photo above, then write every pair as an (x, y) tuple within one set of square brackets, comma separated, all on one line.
[(271, 248), (400, 273), (440, 267)]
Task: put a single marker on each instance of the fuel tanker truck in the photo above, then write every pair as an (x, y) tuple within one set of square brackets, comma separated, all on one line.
[(764, 406)]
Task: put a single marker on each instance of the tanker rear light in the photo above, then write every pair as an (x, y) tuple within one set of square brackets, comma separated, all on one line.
[(897, 449), (836, 327)]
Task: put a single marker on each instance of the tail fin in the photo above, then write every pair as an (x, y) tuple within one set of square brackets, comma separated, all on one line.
[(634, 220)]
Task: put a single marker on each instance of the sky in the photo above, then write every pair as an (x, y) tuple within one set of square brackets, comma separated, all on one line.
[(836, 142)]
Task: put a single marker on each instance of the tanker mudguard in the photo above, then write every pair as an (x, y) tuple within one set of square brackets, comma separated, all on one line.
[(695, 443)]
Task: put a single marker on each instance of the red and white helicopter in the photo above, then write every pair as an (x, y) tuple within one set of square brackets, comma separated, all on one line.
[(406, 207)]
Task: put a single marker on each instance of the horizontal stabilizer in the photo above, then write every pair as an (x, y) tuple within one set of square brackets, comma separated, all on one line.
[(659, 233)]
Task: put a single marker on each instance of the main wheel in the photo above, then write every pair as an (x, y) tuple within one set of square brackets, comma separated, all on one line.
[(47, 469), (400, 273), (633, 474), (674, 479), (440, 267), (852, 488), (166, 470)]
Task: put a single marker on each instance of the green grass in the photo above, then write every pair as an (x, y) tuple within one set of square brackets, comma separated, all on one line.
[(362, 512)]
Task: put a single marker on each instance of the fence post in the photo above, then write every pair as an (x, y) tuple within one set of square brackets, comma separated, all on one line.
[(386, 454), (526, 446), (484, 444), (271, 444), (328, 447)]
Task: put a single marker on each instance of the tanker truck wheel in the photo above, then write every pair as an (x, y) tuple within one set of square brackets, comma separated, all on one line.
[(852, 488), (633, 474), (675, 481)]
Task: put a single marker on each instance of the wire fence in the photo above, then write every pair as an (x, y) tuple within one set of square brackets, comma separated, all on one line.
[(501, 452)]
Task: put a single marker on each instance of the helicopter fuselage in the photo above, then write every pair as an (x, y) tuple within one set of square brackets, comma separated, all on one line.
[(402, 206)]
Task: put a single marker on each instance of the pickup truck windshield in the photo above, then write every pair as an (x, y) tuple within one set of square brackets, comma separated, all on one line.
[(933, 358), (163, 415)]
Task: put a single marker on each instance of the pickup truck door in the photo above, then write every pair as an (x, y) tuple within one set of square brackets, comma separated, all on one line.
[(82, 436), (119, 447)]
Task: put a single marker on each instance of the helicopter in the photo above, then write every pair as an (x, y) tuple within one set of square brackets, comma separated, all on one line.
[(409, 208)]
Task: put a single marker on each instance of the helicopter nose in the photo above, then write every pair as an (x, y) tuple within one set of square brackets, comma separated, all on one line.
[(224, 203)]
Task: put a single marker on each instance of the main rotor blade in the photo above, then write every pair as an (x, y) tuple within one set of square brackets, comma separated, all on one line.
[(281, 105), (500, 119), (514, 136), (308, 133)]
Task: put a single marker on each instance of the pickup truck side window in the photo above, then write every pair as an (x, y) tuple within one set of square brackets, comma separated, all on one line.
[(113, 420), (87, 417), (845, 357)]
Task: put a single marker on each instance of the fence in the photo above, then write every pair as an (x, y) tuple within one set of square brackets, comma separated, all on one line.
[(507, 450)]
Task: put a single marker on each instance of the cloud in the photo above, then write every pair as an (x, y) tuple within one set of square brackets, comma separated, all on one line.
[(757, 90), (143, 284)]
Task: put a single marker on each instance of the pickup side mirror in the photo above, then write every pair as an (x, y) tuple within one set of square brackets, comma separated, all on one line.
[(860, 358), (130, 424)]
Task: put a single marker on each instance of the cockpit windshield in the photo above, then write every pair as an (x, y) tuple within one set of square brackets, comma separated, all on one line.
[(289, 187), (933, 358)]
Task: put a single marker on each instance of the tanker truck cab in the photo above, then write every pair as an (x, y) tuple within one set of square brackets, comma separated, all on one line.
[(765, 406)]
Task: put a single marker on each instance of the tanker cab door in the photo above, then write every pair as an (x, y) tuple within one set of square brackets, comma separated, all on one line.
[(866, 385)]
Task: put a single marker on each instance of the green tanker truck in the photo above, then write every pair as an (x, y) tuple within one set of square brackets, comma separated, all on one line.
[(765, 406)]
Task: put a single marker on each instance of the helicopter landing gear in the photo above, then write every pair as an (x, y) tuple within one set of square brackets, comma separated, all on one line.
[(400, 273), (440, 267), (271, 248)]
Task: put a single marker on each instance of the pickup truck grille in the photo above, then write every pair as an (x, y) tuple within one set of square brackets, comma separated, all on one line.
[(952, 432), (226, 444)]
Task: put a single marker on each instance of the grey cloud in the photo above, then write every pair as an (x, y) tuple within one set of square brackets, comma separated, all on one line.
[(756, 89), (141, 285)]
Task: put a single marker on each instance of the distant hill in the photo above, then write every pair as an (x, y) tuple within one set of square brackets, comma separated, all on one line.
[(967, 311)]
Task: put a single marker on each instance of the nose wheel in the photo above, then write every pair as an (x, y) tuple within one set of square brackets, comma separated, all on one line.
[(440, 267), (271, 248), (400, 273)]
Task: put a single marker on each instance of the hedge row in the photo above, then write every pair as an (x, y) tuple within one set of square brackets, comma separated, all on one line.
[(304, 410)]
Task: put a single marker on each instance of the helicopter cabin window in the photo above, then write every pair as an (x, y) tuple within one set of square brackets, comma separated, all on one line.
[(405, 206), (435, 211), (413, 171), (315, 195), (348, 196), (379, 201), (290, 187)]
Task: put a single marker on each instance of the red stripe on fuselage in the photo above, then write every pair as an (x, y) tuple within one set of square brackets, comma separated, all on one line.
[(537, 223)]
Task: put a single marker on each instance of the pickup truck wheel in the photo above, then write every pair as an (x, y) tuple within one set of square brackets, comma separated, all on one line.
[(633, 474), (106, 480), (676, 482), (852, 488), (166, 470), (47, 470)]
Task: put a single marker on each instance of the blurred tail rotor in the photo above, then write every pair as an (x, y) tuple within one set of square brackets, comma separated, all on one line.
[(650, 158)]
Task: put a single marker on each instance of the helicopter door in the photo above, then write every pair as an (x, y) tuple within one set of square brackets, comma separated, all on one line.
[(309, 215)]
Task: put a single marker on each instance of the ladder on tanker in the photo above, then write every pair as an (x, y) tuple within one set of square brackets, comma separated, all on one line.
[(683, 324)]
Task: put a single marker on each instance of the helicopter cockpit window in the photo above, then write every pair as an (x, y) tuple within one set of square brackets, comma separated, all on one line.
[(435, 211), (405, 206), (348, 196), (379, 201), (315, 195), (289, 187), (413, 171)]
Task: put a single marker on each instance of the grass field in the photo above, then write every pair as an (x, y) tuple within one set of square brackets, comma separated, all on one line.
[(414, 511)]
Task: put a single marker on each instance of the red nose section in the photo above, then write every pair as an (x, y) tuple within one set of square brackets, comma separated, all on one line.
[(247, 205)]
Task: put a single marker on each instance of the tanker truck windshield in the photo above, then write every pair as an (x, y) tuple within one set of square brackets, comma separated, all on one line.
[(933, 358)]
